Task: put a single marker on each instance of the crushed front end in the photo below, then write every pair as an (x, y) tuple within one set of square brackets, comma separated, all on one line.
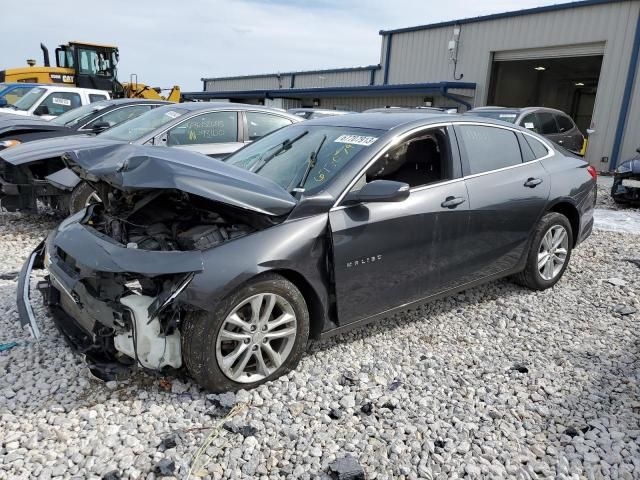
[(116, 274), (626, 182)]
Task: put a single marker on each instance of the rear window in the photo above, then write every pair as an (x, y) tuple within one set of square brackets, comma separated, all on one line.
[(509, 117), (489, 148), (94, 97), (548, 125), (564, 123)]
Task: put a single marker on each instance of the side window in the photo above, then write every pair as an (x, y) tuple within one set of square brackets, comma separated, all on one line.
[(548, 125), (215, 127), (60, 102), (94, 97), (119, 115), (564, 123), (489, 148), (420, 160), (261, 124), (525, 149), (539, 150), (531, 122)]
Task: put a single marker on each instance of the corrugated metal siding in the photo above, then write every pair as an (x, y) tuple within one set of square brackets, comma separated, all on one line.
[(423, 56), (346, 78), (251, 83), (338, 79), (631, 139)]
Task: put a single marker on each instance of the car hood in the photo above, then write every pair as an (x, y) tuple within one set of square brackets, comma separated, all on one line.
[(51, 147), (9, 124), (136, 167)]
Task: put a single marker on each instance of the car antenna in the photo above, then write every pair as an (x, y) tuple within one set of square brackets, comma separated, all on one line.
[(313, 158)]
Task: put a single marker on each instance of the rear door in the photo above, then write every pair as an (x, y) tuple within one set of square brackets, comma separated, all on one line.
[(507, 194), (215, 134), (389, 254)]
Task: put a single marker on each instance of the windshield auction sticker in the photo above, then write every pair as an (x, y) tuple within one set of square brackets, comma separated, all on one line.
[(356, 140)]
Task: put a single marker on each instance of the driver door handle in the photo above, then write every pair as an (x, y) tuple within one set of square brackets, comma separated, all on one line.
[(532, 182), (452, 202)]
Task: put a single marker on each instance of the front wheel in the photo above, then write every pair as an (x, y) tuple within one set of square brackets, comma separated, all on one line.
[(549, 253), (81, 197), (256, 334)]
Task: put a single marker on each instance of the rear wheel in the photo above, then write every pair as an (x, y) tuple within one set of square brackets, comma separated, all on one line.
[(82, 196), (256, 334), (549, 253)]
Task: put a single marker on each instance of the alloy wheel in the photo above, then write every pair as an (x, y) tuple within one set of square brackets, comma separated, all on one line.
[(256, 338), (552, 253), (91, 199)]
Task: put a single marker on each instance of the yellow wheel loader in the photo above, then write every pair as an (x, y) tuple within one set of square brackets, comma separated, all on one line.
[(86, 65)]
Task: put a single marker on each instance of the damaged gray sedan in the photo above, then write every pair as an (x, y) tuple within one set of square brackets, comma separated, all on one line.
[(228, 268)]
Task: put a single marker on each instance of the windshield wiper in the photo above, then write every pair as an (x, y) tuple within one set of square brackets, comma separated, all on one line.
[(286, 145), (313, 158)]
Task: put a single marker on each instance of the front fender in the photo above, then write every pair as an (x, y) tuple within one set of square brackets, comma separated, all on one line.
[(298, 246)]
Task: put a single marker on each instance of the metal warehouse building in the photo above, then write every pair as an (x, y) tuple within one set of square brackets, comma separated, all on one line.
[(580, 57)]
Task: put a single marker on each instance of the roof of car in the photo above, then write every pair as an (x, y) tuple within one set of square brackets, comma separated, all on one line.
[(379, 120), (514, 109), (322, 110), (227, 105), (126, 101)]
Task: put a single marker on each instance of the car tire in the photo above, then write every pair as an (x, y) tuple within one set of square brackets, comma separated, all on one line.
[(81, 197), (538, 277), (207, 349)]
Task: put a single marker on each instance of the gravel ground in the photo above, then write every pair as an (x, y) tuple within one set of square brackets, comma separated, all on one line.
[(497, 382)]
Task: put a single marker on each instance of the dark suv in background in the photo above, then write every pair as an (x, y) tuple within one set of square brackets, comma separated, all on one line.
[(556, 125)]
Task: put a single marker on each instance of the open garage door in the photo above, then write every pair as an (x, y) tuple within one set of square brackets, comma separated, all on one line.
[(563, 77)]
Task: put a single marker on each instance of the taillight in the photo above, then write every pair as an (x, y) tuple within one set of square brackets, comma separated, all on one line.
[(593, 172)]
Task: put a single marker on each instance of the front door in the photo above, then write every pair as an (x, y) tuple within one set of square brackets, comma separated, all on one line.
[(389, 254)]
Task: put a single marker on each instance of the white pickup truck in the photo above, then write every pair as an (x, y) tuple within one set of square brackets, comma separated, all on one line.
[(49, 101)]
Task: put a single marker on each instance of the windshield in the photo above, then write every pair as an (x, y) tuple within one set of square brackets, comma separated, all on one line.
[(72, 117), (28, 99), (284, 156), (509, 117), (12, 93), (144, 124)]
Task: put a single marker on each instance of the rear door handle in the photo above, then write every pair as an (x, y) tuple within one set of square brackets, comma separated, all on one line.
[(532, 182), (452, 202)]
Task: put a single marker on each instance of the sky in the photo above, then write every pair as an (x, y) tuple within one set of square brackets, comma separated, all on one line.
[(178, 43)]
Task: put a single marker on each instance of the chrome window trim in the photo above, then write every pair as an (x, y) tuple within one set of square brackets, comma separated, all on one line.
[(83, 128), (397, 139)]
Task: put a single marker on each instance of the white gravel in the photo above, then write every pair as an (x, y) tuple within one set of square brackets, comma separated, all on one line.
[(497, 382)]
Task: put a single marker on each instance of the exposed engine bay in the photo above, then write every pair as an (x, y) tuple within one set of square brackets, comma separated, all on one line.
[(170, 220), (133, 314)]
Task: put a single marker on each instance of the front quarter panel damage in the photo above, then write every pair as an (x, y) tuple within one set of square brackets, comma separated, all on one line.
[(297, 246)]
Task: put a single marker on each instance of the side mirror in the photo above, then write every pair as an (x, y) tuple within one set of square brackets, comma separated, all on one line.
[(379, 191), (3, 102), (100, 127), (41, 110), (638, 149)]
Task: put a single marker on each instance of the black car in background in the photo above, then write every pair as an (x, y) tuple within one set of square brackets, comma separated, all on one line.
[(626, 182), (35, 170), (554, 124), (228, 267), (88, 119)]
